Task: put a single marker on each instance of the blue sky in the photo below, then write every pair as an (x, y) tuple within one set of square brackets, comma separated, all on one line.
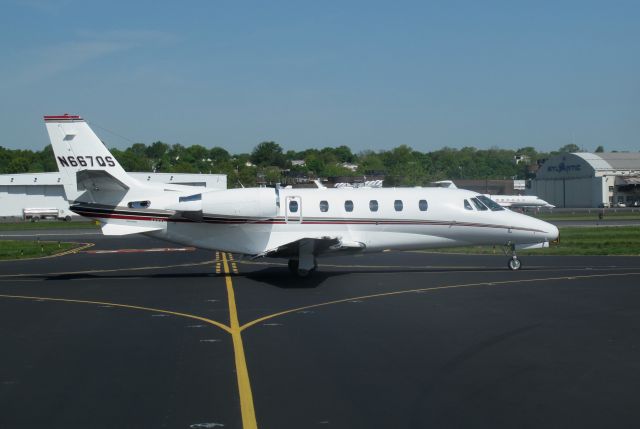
[(371, 75)]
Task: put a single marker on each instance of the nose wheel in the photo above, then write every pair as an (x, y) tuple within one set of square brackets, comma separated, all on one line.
[(514, 263)]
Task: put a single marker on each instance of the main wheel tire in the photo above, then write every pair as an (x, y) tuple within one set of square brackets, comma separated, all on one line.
[(514, 264)]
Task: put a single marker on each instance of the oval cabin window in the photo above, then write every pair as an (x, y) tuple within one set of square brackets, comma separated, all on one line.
[(348, 205), (423, 205), (397, 205), (373, 205), (139, 204), (324, 206)]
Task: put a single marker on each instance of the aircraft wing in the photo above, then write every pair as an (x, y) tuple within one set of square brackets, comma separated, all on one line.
[(319, 245), (116, 229)]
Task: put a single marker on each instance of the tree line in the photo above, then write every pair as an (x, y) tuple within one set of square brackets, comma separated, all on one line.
[(268, 163)]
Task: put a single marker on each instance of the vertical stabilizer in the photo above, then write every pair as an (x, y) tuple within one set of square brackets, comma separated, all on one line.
[(77, 148)]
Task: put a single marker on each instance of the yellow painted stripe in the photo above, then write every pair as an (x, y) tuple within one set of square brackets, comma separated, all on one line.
[(111, 270), (130, 307), (401, 292), (242, 372)]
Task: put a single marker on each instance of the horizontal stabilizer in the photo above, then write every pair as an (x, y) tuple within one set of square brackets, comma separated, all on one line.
[(116, 229), (96, 180)]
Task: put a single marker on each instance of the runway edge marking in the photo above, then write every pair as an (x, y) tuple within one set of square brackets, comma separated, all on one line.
[(242, 372)]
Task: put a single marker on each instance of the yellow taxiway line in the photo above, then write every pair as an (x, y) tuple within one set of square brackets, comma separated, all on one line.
[(130, 307), (242, 372)]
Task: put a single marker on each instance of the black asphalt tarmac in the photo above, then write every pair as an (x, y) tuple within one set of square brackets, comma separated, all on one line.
[(393, 340)]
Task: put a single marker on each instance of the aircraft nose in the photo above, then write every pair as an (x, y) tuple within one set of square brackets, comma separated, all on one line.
[(552, 233)]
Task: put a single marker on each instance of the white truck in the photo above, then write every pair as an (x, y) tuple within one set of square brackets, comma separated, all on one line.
[(35, 214)]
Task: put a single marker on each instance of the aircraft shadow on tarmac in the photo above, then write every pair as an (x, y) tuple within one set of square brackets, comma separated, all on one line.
[(275, 276), (281, 277)]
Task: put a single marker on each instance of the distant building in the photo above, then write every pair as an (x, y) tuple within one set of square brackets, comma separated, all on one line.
[(46, 190), (517, 159), (589, 179), (349, 166), (298, 163)]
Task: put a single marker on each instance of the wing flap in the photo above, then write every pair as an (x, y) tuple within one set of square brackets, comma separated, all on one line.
[(320, 246), (117, 229)]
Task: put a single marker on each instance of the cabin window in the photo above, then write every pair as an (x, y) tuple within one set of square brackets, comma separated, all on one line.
[(493, 206), (397, 205), (196, 197), (293, 206), (348, 205), (324, 206), (423, 205), (373, 205), (467, 205), (139, 204), (478, 204)]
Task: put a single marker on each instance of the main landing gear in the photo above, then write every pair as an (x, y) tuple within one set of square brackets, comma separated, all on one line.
[(294, 267), (306, 263), (514, 263)]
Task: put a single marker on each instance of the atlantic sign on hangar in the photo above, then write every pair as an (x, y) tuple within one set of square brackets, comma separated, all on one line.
[(589, 179)]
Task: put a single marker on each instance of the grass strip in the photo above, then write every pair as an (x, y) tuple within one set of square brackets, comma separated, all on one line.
[(24, 249), (623, 240), (46, 224), (594, 214)]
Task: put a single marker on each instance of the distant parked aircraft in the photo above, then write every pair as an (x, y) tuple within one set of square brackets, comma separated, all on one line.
[(511, 201)]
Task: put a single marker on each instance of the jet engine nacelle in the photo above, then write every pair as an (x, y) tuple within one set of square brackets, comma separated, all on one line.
[(246, 203)]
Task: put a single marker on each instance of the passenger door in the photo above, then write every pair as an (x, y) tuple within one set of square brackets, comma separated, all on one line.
[(293, 209)]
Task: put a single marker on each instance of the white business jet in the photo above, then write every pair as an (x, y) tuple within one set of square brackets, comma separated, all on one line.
[(521, 201), (297, 224), (509, 201)]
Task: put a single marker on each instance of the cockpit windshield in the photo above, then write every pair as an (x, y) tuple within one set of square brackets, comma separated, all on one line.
[(490, 203), (478, 204)]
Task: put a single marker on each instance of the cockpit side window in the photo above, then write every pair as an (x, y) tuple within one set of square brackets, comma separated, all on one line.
[(467, 205), (478, 204), (493, 206)]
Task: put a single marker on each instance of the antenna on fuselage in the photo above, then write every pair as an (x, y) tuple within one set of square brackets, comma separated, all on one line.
[(319, 184)]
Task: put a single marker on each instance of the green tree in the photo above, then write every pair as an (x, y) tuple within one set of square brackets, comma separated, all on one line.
[(570, 148), (268, 153), (18, 165)]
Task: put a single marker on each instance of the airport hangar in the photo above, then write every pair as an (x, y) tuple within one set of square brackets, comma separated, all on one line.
[(46, 190), (608, 179)]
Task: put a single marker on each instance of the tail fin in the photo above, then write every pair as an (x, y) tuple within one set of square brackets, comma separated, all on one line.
[(82, 157)]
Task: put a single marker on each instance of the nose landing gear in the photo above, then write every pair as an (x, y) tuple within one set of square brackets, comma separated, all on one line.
[(514, 263)]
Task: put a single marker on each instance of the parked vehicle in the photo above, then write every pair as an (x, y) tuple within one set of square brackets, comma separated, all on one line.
[(35, 214)]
